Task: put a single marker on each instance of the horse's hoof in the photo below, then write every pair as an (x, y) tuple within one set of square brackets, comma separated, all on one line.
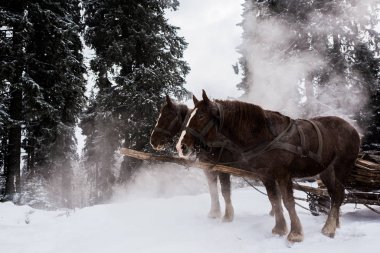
[(295, 237), (228, 218), (328, 231), (229, 214), (280, 231), (214, 214)]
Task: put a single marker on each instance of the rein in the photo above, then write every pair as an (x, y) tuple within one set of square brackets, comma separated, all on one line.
[(201, 135)]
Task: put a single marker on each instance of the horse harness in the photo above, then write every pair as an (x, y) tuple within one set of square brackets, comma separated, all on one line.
[(224, 142), (167, 131)]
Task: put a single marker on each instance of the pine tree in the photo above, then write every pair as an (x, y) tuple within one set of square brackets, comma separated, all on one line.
[(42, 74), (339, 34), (138, 61), (14, 26), (56, 92)]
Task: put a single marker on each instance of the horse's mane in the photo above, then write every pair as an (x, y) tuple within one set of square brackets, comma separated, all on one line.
[(245, 118), (183, 109)]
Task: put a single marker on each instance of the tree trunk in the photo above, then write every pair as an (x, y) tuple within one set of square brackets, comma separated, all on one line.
[(12, 185), (66, 176), (12, 181), (130, 166)]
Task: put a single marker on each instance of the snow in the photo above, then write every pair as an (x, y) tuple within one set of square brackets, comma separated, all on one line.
[(177, 224)]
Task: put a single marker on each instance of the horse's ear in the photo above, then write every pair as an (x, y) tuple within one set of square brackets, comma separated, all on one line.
[(195, 100), (169, 102), (204, 96)]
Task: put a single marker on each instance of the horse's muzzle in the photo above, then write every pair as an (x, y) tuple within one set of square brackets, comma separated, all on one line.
[(184, 151)]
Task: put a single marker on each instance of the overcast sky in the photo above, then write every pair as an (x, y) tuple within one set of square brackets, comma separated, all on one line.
[(210, 28)]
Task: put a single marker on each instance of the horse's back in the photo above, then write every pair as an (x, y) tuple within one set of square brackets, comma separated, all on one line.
[(339, 134)]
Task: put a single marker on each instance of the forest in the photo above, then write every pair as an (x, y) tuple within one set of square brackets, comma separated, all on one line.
[(320, 56)]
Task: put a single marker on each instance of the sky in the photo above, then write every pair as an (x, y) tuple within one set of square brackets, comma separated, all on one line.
[(211, 29)]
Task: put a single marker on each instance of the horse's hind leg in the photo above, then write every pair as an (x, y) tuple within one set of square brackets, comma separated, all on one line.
[(225, 184), (274, 196), (213, 188), (336, 192), (286, 187), (333, 178)]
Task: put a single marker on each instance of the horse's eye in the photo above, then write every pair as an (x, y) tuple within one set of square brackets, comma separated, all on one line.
[(201, 116)]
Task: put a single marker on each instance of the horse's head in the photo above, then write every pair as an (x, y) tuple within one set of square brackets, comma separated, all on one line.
[(201, 127), (168, 124)]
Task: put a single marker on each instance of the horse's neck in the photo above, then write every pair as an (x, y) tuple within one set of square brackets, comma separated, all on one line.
[(247, 133), (247, 129)]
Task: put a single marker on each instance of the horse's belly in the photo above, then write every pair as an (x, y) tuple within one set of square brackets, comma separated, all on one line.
[(305, 167)]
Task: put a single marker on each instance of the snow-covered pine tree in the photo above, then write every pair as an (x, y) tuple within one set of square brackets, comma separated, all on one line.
[(14, 29), (41, 73), (340, 34), (55, 97), (138, 60), (367, 63)]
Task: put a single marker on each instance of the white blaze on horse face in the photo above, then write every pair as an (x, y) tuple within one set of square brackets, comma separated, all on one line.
[(179, 143), (158, 120)]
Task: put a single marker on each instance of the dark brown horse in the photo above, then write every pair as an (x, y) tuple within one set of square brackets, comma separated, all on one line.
[(169, 124), (277, 147)]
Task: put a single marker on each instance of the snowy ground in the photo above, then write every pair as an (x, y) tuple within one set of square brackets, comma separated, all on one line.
[(177, 224)]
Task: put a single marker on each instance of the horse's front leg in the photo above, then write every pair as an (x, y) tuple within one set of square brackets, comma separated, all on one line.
[(225, 183), (274, 196), (213, 188), (286, 188)]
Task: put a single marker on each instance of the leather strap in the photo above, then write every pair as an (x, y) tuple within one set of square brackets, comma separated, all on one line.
[(178, 119), (304, 146), (200, 135), (320, 140), (300, 150)]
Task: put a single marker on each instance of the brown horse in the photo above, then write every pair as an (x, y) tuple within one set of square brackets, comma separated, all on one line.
[(277, 147), (169, 124)]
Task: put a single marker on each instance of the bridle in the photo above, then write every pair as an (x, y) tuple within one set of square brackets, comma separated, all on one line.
[(167, 131), (221, 141), (200, 135)]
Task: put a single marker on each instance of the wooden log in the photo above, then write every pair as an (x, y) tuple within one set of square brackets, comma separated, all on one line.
[(365, 176), (309, 189), (189, 163), (368, 164), (214, 167)]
